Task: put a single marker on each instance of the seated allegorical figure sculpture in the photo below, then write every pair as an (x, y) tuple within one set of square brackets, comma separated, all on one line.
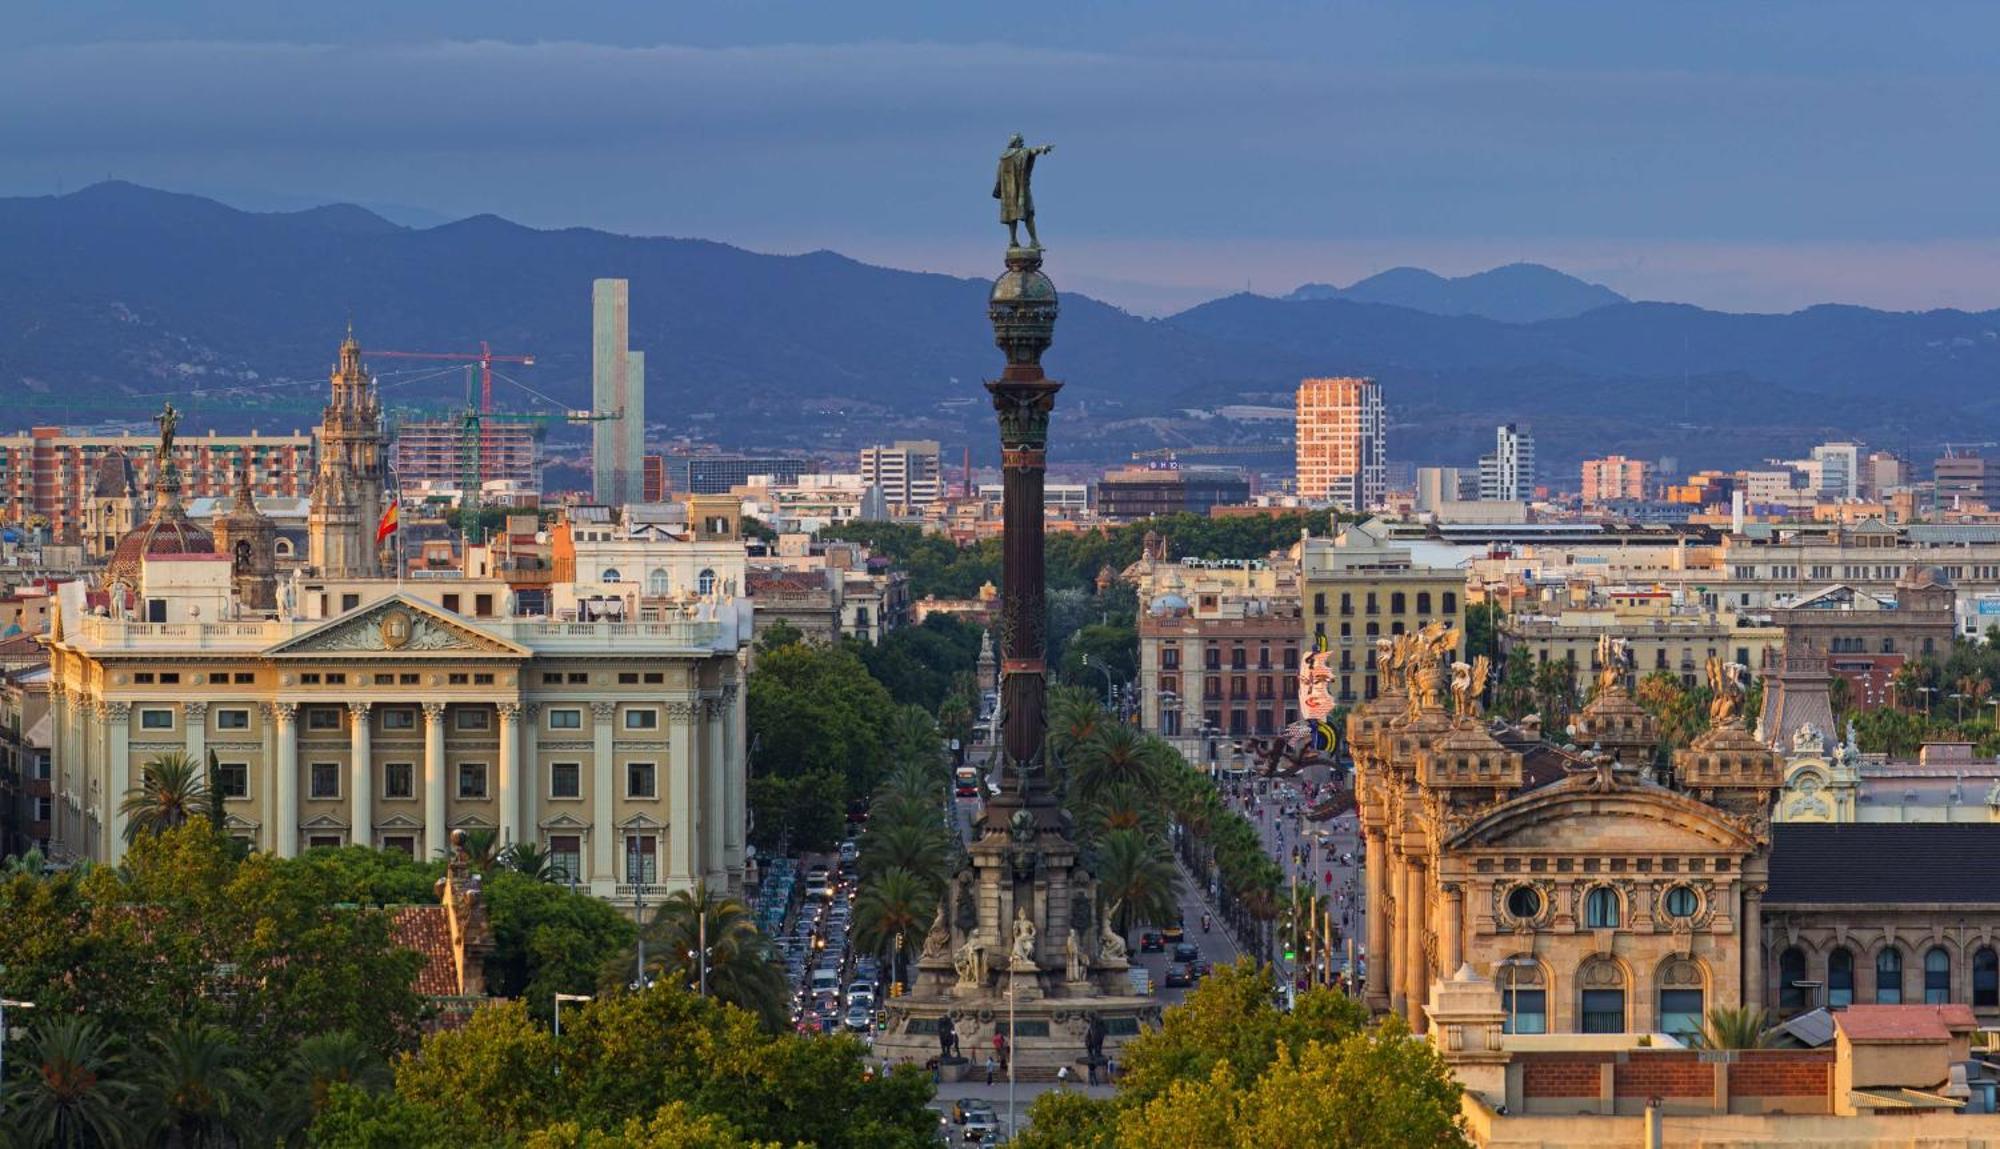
[(1024, 938)]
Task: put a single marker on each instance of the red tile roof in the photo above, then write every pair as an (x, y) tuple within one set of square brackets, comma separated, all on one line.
[(1904, 1022), (426, 930)]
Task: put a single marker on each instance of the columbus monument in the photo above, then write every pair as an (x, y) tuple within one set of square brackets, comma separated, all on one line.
[(1021, 946)]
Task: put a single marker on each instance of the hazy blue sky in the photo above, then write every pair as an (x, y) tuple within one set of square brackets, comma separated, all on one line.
[(1746, 156)]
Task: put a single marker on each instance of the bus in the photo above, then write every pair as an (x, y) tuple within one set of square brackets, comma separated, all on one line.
[(966, 781)]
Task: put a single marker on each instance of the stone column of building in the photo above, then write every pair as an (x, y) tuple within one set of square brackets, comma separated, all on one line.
[(435, 835), (118, 775), (194, 724), (601, 831), (714, 766), (734, 816), (264, 791), (508, 785), (1752, 925), (59, 782), (1415, 978), (1375, 869), (1451, 944), (683, 814), (284, 716), (531, 772), (1399, 944), (360, 775)]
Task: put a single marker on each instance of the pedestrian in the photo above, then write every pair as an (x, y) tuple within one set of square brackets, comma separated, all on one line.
[(989, 1069), (1110, 1071), (1090, 1068), (1000, 1050), (1062, 1076)]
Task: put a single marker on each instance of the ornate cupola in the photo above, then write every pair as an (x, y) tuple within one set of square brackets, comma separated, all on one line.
[(250, 539)]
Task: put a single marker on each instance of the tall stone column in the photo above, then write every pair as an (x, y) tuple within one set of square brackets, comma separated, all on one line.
[(285, 715), (360, 775), (531, 772), (118, 774), (194, 729), (734, 771), (1753, 947), (1399, 941), (436, 835), (1416, 978), (602, 779), (508, 785), (713, 767), (683, 811), (1451, 943), (1376, 873)]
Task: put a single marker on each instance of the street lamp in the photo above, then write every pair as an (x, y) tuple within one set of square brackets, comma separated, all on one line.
[(1955, 696), (639, 915), (1109, 687), (1927, 691), (563, 997)]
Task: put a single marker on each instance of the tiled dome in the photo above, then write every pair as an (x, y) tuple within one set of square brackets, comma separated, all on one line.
[(167, 531)]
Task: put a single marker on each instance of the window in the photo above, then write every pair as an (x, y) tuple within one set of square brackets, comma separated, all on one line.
[(640, 780), (551, 678), (408, 679), (399, 718), (1937, 976), (156, 610), (1682, 902), (323, 842), (322, 718), (1791, 971), (642, 720), (705, 584), (482, 680), (243, 677), (1451, 602), (1680, 1012), (579, 678), (1524, 902), (1600, 909), (1889, 976), (1985, 978), (472, 780), (1397, 602), (655, 677), (1523, 997), (473, 719), (565, 720), (451, 603), (482, 605), (656, 582), (628, 678), (610, 575), (1603, 1011), (1423, 602), (566, 857), (156, 720), (565, 780), (337, 678), (143, 678), (385, 680), (325, 780), (233, 779), (402, 844), (1840, 978), (642, 859), (399, 780), (458, 679), (349, 602)]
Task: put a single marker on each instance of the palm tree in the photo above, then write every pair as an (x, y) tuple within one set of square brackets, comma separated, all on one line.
[(740, 967), (1734, 1028), (172, 791), (1074, 715), (1120, 806), (914, 735), (70, 1096), (892, 912), (921, 850), (1114, 755), (915, 781), (192, 1090), (530, 859), (319, 1063), (1135, 872)]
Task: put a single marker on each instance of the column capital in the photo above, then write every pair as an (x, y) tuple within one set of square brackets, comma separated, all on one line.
[(681, 710), (509, 711), (533, 710), (729, 691), (195, 710), (114, 711), (1754, 891), (713, 708), (281, 711), (603, 711), (359, 710), (434, 711)]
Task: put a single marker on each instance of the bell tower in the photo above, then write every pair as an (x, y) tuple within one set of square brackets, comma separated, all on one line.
[(347, 490)]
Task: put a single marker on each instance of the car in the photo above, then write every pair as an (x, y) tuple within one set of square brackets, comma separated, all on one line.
[(861, 993), (982, 1127), (1178, 974), (1151, 942), (859, 1018), (849, 851), (965, 1108), (1187, 953), (1174, 934)]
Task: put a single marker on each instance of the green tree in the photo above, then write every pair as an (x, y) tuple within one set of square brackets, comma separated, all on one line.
[(778, 635), (739, 963), (548, 939), (816, 710), (891, 914), (172, 790), (1231, 1022), (70, 1095), (1117, 755), (531, 861), (1135, 872), (1514, 697), (304, 1088), (193, 1090), (1734, 1027)]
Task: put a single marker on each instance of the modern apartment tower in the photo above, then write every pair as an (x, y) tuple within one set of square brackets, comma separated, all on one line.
[(617, 383), (910, 472), (1342, 456), (1508, 474)]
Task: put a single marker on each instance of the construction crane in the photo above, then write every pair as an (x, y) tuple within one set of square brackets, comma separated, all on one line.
[(484, 357), (470, 455), (1214, 449)]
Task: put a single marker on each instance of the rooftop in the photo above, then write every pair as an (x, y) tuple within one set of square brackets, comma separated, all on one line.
[(1884, 862)]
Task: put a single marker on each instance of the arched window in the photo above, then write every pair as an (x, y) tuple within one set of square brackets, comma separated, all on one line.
[(1682, 902), (1681, 998), (1602, 984), (1840, 978), (1423, 602), (1791, 971), (656, 583), (610, 575), (1985, 978), (1889, 976), (1937, 976), (1524, 996), (706, 583), (1451, 602), (1600, 909)]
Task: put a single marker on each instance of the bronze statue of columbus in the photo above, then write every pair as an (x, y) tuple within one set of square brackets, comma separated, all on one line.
[(1010, 187)]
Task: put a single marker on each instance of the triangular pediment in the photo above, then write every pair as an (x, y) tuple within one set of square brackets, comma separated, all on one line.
[(323, 822), (399, 626), (400, 822), (471, 822), (564, 822), (1624, 818), (239, 822), (642, 822)]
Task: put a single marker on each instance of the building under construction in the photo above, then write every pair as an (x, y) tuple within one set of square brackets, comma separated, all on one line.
[(430, 455)]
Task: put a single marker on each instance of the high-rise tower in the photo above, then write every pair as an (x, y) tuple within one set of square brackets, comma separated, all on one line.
[(347, 488), (1341, 446), (617, 383), (1508, 474)]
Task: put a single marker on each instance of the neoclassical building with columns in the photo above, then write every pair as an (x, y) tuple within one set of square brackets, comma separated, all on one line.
[(1599, 898), (619, 747)]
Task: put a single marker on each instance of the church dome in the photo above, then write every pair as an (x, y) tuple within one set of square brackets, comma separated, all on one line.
[(1168, 604), (167, 531)]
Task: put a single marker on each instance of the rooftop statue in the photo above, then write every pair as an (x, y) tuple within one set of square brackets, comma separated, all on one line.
[(1011, 186), (170, 422)]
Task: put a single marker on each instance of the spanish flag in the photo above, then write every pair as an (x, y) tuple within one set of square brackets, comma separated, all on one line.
[(387, 526)]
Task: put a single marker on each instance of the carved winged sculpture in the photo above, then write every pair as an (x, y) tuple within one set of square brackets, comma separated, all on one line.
[(1725, 679), (1611, 653), (1389, 655), (1468, 686)]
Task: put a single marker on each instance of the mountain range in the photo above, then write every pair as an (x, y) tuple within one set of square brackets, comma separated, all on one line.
[(115, 296)]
